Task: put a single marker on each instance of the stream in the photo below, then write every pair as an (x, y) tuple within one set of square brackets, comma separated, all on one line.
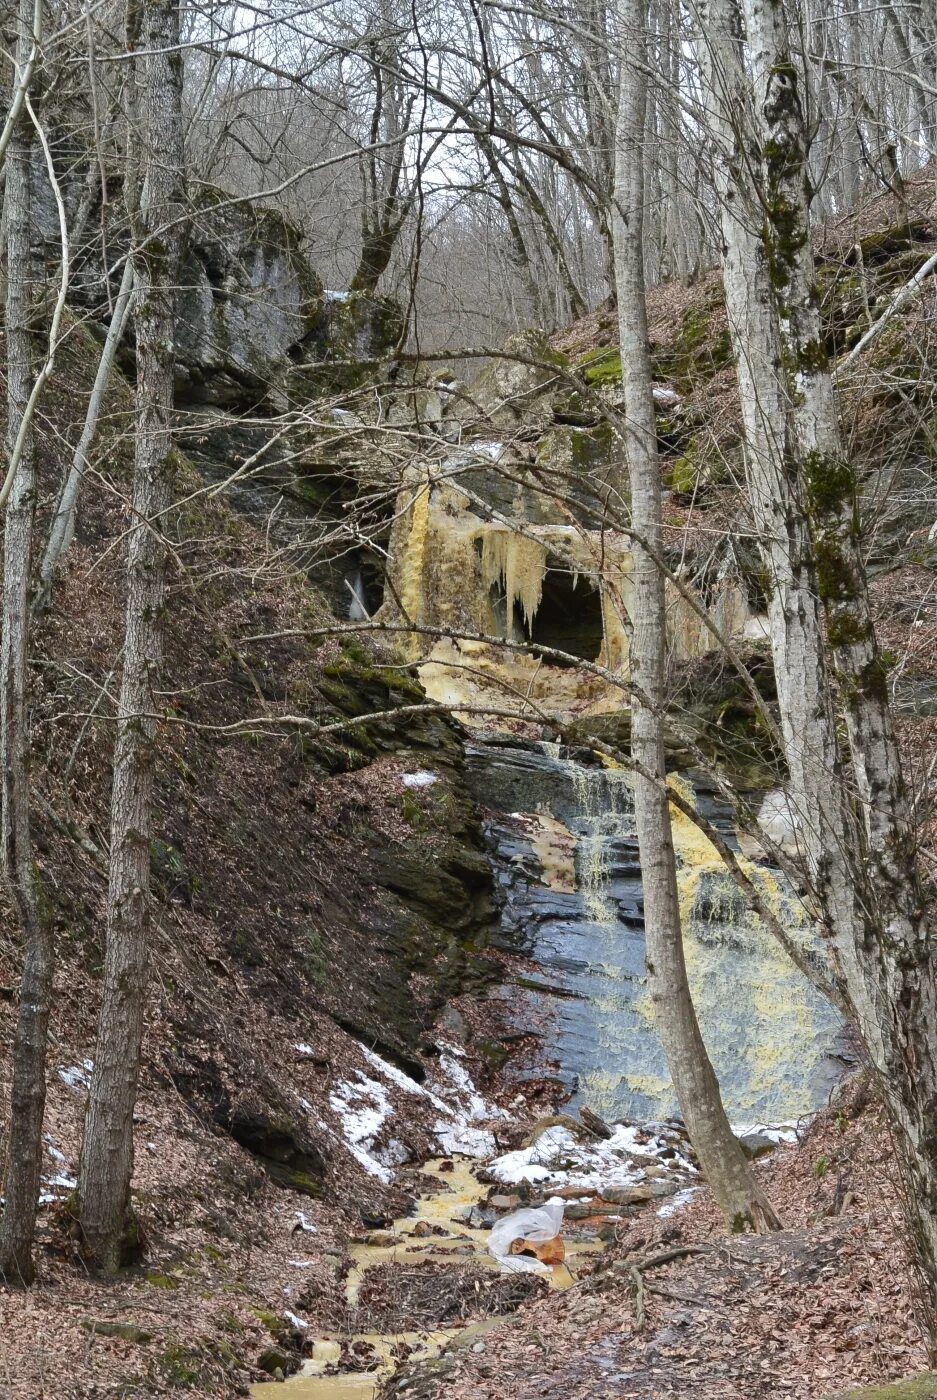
[(459, 1190), (564, 855)]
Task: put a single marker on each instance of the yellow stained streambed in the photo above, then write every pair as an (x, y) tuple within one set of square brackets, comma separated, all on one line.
[(457, 1189)]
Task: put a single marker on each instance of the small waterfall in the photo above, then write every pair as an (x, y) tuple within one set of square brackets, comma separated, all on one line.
[(605, 806), (565, 854)]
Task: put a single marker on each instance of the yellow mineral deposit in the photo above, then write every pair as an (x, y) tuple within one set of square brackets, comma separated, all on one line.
[(517, 564), (554, 845), (776, 991), (453, 570)]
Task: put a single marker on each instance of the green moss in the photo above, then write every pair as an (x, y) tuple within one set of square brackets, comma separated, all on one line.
[(831, 483), (413, 813), (199, 1367), (601, 366), (845, 630), (836, 582), (179, 1367), (314, 957), (922, 1387), (300, 1181), (274, 1324), (684, 474), (494, 1054), (277, 1363), (158, 1280), (813, 357), (696, 353), (873, 679)]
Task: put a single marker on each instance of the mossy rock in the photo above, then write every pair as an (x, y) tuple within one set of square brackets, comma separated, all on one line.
[(277, 1326), (600, 367), (884, 244), (922, 1387), (279, 1144), (515, 393), (696, 471), (275, 1360), (696, 352)]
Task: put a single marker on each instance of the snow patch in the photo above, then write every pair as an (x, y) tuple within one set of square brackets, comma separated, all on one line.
[(677, 1202), (557, 1159), (53, 1151), (491, 450), (363, 1109), (421, 779), (664, 395), (462, 1140), (77, 1076), (62, 1180), (774, 1132)]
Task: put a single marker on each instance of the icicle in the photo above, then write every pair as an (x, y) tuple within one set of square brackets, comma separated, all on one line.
[(412, 591), (518, 564)]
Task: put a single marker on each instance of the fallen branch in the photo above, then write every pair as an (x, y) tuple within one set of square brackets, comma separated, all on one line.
[(907, 293)]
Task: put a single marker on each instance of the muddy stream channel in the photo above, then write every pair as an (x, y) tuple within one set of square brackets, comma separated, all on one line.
[(436, 1232)]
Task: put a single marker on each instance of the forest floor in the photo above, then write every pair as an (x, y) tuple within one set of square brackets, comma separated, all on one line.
[(239, 1271)]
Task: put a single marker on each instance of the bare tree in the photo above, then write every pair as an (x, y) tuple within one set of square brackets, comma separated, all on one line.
[(743, 1203), (861, 861), (106, 1164), (24, 1140)]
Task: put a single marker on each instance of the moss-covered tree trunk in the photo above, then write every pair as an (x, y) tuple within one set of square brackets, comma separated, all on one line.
[(743, 1203), (106, 1164), (824, 823), (896, 995), (859, 856)]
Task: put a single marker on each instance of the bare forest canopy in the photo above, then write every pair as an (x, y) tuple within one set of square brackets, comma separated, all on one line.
[(461, 157)]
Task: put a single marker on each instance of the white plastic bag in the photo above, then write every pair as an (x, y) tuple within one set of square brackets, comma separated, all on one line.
[(537, 1224)]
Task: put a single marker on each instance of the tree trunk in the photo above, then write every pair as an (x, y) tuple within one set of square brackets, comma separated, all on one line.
[(860, 867), (106, 1163), (63, 523), (896, 996), (24, 1139), (815, 782), (727, 1171)]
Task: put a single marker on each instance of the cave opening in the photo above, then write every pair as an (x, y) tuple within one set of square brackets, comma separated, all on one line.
[(568, 616)]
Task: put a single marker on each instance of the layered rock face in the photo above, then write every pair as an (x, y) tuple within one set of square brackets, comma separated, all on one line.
[(248, 302)]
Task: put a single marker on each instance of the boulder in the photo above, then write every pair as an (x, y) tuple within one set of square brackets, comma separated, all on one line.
[(248, 301), (513, 393)]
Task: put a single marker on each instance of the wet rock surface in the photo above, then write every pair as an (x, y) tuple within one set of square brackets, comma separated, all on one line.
[(570, 898)]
